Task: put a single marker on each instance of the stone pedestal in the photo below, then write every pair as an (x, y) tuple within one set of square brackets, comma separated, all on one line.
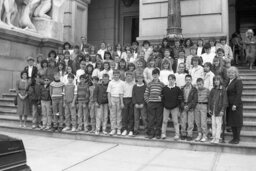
[(48, 28)]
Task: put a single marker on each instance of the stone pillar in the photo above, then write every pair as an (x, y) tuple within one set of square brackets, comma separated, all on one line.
[(174, 19)]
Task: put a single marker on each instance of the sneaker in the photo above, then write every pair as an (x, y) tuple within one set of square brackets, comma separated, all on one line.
[(150, 136), (189, 138), (158, 137), (130, 134), (199, 137), (43, 128), (136, 133), (113, 132), (47, 128), (118, 132), (213, 140), (183, 137), (104, 132), (124, 133), (60, 129), (73, 129), (33, 127), (97, 133), (163, 136), (176, 137), (78, 129), (204, 139), (66, 129), (86, 130)]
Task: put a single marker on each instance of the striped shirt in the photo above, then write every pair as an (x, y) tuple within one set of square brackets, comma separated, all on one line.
[(56, 89), (153, 92), (203, 95)]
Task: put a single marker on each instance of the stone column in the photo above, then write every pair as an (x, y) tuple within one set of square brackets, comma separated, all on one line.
[(174, 19)]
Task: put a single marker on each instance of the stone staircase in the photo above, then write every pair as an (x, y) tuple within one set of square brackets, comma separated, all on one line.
[(9, 122)]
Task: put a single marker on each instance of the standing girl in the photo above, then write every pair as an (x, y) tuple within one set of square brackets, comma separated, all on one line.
[(147, 73), (250, 43), (97, 70), (166, 70), (122, 69)]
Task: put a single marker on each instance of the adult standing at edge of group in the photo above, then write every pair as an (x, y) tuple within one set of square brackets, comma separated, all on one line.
[(250, 47), (235, 105)]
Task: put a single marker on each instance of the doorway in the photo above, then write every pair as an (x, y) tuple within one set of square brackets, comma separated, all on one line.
[(130, 29)]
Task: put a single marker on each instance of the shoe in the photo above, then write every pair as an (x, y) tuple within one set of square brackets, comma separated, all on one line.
[(113, 132), (118, 132), (47, 128), (199, 137), (86, 130), (97, 133), (73, 129), (163, 136), (104, 132), (150, 136), (183, 137), (24, 125), (92, 131), (124, 133), (204, 139), (231, 141), (189, 138), (136, 133), (213, 140), (236, 142), (158, 137), (53, 129), (33, 127), (42, 127), (217, 141), (130, 134), (60, 129), (78, 129), (228, 130), (66, 129), (176, 137)]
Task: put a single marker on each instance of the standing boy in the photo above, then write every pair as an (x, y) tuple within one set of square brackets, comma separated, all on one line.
[(127, 112), (100, 96), (187, 116), (92, 106), (201, 110), (56, 91), (139, 104), (83, 95), (115, 101), (172, 99), (70, 95), (153, 97)]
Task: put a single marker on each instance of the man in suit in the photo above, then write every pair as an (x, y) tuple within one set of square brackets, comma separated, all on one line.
[(31, 70)]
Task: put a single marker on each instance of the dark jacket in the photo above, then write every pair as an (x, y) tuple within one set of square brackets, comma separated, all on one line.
[(234, 93), (138, 94), (45, 93), (192, 98), (34, 71), (100, 94), (172, 98), (34, 93), (218, 100)]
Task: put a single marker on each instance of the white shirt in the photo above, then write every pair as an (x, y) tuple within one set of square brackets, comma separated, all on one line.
[(30, 69), (213, 49), (101, 52), (196, 73), (127, 89), (115, 88), (199, 51), (208, 80), (208, 57), (180, 60), (164, 76), (109, 72), (147, 73), (79, 73), (188, 62), (96, 72), (180, 79)]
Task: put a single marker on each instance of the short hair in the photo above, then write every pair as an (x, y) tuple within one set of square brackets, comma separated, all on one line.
[(182, 50), (167, 50), (172, 76), (52, 52), (95, 78), (200, 80), (188, 76), (23, 72), (207, 46), (82, 61), (66, 52), (71, 76), (223, 39), (56, 73), (193, 48), (44, 61), (116, 71), (220, 50), (105, 75), (76, 47), (131, 65), (208, 64), (84, 76), (195, 58), (155, 71), (129, 73), (66, 43), (217, 77), (135, 43), (145, 42), (235, 70)]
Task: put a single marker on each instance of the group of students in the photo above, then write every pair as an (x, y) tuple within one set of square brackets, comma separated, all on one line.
[(78, 90)]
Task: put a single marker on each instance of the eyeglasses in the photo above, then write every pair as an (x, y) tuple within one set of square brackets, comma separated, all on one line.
[(46, 80)]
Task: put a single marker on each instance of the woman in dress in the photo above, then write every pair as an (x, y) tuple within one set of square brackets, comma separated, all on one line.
[(250, 47), (22, 98), (235, 105)]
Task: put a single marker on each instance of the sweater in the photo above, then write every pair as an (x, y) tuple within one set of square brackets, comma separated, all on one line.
[(56, 89), (83, 93), (153, 92), (100, 94), (172, 97), (138, 94)]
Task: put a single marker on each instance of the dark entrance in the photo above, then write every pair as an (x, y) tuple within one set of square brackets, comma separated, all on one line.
[(130, 29)]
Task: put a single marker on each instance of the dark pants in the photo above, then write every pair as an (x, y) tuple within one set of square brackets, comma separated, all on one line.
[(236, 133), (127, 115), (155, 118)]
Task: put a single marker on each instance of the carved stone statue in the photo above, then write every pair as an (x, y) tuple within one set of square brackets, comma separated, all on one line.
[(43, 8), (8, 10)]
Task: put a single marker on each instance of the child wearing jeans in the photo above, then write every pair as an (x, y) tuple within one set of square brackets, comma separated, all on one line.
[(115, 101), (217, 106), (153, 97), (92, 104), (100, 96), (83, 94), (139, 104), (46, 104), (70, 94), (127, 112), (201, 110), (187, 115), (56, 91)]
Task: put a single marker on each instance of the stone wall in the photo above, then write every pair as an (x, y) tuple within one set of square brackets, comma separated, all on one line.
[(200, 18)]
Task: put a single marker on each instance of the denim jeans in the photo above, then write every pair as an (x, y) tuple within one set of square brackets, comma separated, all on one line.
[(46, 113), (187, 117), (140, 112), (70, 115), (128, 115), (57, 106), (93, 110), (102, 117), (83, 115), (115, 113), (175, 114), (155, 118), (201, 118), (216, 126)]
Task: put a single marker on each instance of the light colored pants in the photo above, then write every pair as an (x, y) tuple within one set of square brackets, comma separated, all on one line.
[(46, 113), (83, 115), (140, 112), (57, 107), (175, 114), (102, 117), (187, 117), (70, 115), (201, 118), (115, 113), (93, 110), (216, 126)]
